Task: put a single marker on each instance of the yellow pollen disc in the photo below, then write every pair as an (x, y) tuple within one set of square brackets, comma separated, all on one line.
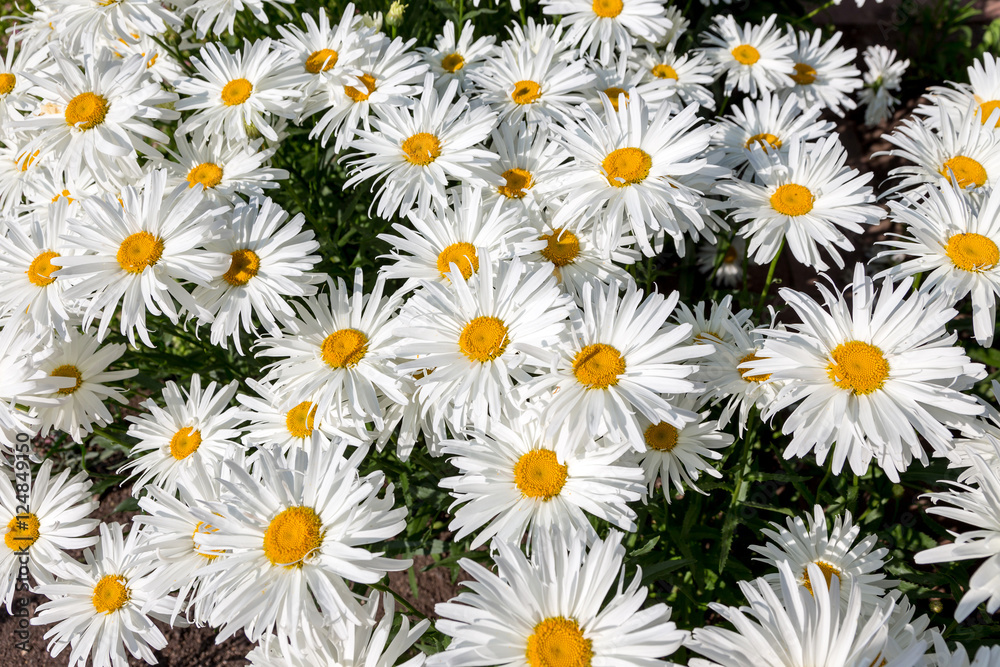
[(86, 111), (744, 371), (236, 92), (526, 92), (68, 371), (208, 174), (857, 366), (344, 348), (320, 61), (613, 94), (766, 140), (110, 594), (971, 252), (559, 642), (356, 95), (242, 267), (7, 82), (139, 251), (562, 247), (746, 54), (41, 268), (518, 180), (664, 71), (804, 74), (608, 9), (452, 62), (985, 109), (205, 529), (964, 171), (292, 535), (538, 474), (300, 420), (185, 443), (828, 570), (64, 193), (598, 366), (626, 166), (662, 437), (22, 532), (792, 200), (483, 339), (462, 254), (421, 149)]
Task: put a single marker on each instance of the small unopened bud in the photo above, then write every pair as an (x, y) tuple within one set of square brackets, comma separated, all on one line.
[(394, 18), (372, 21), (936, 606)]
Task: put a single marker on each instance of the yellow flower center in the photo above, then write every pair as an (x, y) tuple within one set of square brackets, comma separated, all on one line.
[(22, 532), (608, 9), (730, 255), (558, 642), (598, 366), (463, 255), (828, 570), (765, 140), (804, 74), (64, 193), (746, 54), (421, 149), (41, 268), (662, 437), (292, 535), (68, 371), (792, 200), (452, 62), (518, 180), (206, 173), (7, 82), (110, 594), (526, 92), (205, 529), (857, 366), (356, 95), (972, 252), (964, 171), (613, 93), (185, 442), (985, 109), (744, 371), (86, 111), (562, 247), (483, 339), (538, 474), (300, 420), (236, 92), (344, 348), (320, 61), (664, 71), (242, 267), (139, 251), (626, 166)]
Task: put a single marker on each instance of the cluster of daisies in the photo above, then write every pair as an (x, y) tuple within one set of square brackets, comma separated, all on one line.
[(522, 174)]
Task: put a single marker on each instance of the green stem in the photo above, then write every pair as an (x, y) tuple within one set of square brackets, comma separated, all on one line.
[(816, 11), (770, 276)]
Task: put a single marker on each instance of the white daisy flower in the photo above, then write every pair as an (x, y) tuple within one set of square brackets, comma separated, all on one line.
[(160, 65), (43, 523), (293, 532), (337, 352), (825, 74), (20, 173), (104, 607), (413, 153), (956, 243), (194, 429), (456, 57), (622, 358), (139, 247), (873, 377), (81, 406), (833, 551), (84, 26), (615, 80), (882, 79), (727, 270), (235, 93), (23, 384), (270, 263), (218, 16), (806, 200), (756, 59), (684, 77), (721, 323), (976, 100), (986, 656), (602, 27), (528, 165), (14, 86), (976, 504), (71, 185), (550, 610)]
